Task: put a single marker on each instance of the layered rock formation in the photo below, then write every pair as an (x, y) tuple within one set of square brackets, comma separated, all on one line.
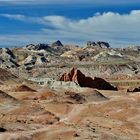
[(109, 56), (4, 97), (32, 60), (78, 77), (7, 58), (9, 79), (49, 60), (6, 76)]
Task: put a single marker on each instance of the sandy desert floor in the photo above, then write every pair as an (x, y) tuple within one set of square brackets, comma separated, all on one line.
[(64, 115)]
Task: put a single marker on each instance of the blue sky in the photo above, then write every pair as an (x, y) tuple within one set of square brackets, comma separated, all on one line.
[(73, 22)]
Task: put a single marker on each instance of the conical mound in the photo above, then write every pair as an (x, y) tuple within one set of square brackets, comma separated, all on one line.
[(23, 88)]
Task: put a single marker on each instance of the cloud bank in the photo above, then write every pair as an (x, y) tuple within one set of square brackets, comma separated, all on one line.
[(118, 29)]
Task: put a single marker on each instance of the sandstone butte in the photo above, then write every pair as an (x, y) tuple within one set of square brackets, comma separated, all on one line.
[(79, 78)]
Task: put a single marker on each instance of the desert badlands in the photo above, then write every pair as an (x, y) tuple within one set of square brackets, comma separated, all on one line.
[(66, 92)]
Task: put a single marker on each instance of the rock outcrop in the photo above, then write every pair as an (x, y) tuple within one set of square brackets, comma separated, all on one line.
[(54, 48), (37, 47), (86, 96), (78, 77), (7, 76), (7, 58), (99, 44), (109, 55), (57, 43), (33, 60), (7, 53), (134, 90)]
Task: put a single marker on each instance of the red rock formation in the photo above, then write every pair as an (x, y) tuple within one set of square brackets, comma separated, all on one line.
[(78, 77), (68, 76), (23, 88)]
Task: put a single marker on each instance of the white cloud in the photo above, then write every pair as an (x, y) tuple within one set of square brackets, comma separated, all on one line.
[(16, 17), (112, 27)]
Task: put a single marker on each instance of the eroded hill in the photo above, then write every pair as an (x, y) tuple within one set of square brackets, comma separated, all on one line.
[(66, 92)]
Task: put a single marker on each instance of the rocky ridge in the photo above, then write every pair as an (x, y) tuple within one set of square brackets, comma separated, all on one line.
[(92, 59)]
